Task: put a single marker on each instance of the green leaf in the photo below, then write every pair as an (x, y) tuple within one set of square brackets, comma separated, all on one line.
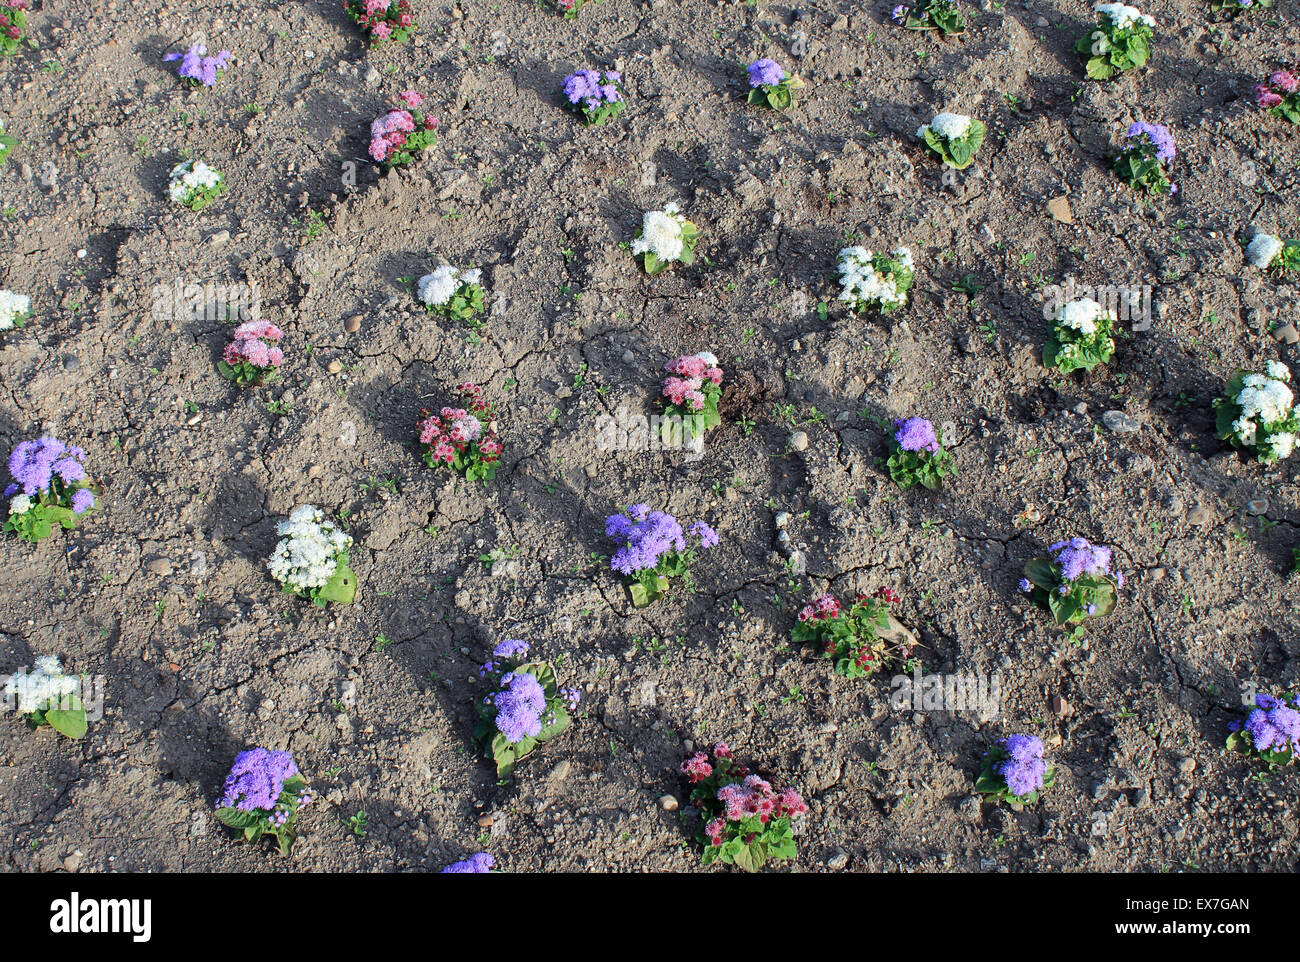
[(71, 722), (341, 588)]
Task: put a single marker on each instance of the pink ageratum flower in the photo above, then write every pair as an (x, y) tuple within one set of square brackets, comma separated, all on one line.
[(374, 7), (1266, 98), (697, 767), (254, 343), (1285, 81), (411, 98)]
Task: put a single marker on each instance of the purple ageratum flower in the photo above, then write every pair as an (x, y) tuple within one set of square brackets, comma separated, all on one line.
[(1024, 768), (1273, 725), (256, 780), (34, 464), (1158, 135), (82, 501), (1077, 558), (511, 648), (916, 434), (1025, 586), (69, 470), (708, 537), (643, 537), (899, 13), (479, 864), (765, 73), (197, 65), (592, 89), (520, 704)]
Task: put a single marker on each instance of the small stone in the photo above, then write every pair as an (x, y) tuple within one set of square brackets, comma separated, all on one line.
[(334, 367), (668, 803), (1287, 333), (1187, 766), (485, 821), (1059, 208), (73, 861), (315, 471), (563, 391), (219, 238), (799, 441), (160, 566), (1200, 515), (352, 324), (71, 362), (1060, 707), (1121, 423), (782, 519), (590, 470), (1257, 506), (838, 861)]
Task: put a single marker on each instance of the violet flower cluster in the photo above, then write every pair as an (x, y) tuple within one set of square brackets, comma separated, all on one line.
[(198, 67), (1273, 725), (765, 73), (916, 434), (1023, 769), (479, 864), (256, 780), (593, 89), (1161, 139), (645, 537), (520, 703), (37, 465)]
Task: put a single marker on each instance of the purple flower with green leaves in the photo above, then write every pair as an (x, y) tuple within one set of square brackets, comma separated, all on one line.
[(765, 73), (1077, 557), (651, 548), (1273, 725), (1024, 767), (1157, 134), (520, 704), (197, 67), (478, 864), (256, 780), (644, 537), (598, 94), (916, 434)]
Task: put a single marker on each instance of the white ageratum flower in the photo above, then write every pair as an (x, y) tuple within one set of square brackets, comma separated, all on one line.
[(1283, 444), (661, 234), (947, 126), (190, 176), (441, 286), (12, 307), (42, 687), (1278, 371), (1081, 315), (307, 555), (20, 504), (860, 282), (1244, 429), (1262, 249), (1264, 403), (708, 357), (1122, 15)]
